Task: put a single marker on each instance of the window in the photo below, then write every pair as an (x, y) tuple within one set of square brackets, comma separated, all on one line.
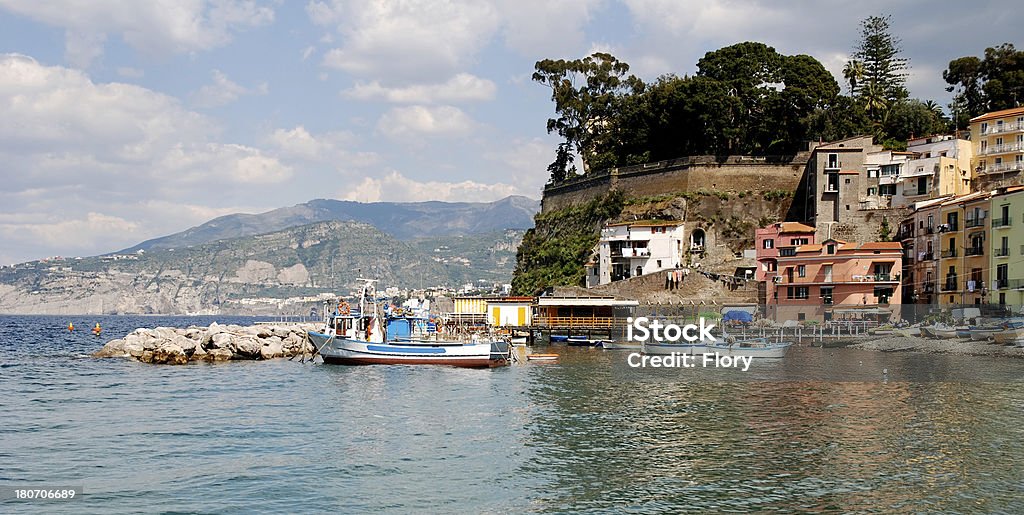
[(833, 182), (659, 263), (797, 292), (830, 248), (872, 173), (826, 295), (887, 189), (798, 241), (769, 244), (801, 316), (847, 181), (773, 266), (984, 127), (801, 270), (883, 293), (833, 161), (872, 191), (890, 170), (827, 270)]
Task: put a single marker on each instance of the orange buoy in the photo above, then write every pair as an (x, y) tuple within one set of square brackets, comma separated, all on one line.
[(97, 330), (71, 326)]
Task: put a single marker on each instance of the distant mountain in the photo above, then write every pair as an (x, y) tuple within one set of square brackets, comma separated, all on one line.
[(403, 220), (255, 274)]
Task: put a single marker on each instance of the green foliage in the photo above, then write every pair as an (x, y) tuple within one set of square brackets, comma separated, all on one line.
[(991, 83), (554, 251), (773, 195), (560, 168), (884, 71), (584, 91), (843, 119), (913, 118), (884, 231)]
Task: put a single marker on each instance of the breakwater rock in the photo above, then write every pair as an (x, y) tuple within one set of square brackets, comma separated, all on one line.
[(946, 346), (176, 346)]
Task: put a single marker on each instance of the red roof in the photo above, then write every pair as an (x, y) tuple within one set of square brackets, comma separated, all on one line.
[(998, 114)]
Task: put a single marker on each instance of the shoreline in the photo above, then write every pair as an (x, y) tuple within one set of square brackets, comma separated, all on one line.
[(957, 346), (214, 343)]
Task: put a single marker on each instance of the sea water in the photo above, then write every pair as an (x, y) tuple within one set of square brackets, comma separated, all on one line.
[(823, 429)]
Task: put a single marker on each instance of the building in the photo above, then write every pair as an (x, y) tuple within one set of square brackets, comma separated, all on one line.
[(510, 312), (920, 241), (470, 310), (631, 249), (998, 141), (963, 264), (883, 171), (939, 166), (836, 280), (1006, 260), (778, 239), (581, 312)]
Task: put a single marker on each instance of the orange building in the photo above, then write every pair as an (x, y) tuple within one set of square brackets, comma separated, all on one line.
[(837, 280)]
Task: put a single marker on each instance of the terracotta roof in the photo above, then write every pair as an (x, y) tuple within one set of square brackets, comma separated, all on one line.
[(998, 114), (647, 223), (795, 227), (881, 245), (849, 172), (810, 247)]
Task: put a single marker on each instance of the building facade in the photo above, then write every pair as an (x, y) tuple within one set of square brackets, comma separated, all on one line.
[(939, 166), (998, 140), (963, 261), (778, 239), (1006, 260), (835, 280), (636, 248), (920, 241)]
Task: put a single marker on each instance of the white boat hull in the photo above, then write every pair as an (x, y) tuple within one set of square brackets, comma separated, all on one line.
[(1010, 337), (347, 351), (769, 350)]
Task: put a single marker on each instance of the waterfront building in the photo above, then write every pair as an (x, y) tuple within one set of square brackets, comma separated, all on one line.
[(470, 310), (778, 239), (837, 181), (883, 171), (835, 280), (963, 235), (632, 249), (510, 312), (920, 241), (938, 166), (1006, 260), (998, 139), (567, 312)]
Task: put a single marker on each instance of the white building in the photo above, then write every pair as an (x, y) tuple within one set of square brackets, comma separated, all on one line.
[(631, 249)]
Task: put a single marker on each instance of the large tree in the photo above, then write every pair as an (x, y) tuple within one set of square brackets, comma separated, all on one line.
[(884, 78), (584, 92), (991, 83)]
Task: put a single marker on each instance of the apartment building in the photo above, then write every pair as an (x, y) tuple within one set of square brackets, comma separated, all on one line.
[(1006, 260), (998, 141), (632, 249), (963, 261)]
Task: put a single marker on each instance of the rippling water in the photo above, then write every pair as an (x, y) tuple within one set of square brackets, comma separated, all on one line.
[(935, 433)]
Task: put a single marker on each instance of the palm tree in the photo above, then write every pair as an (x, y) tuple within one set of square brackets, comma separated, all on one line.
[(934, 108), (853, 72), (873, 95)]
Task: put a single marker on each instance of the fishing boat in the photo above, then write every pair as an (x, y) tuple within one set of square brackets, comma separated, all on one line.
[(358, 337), (558, 338), (542, 357), (1012, 334), (982, 333), (941, 331), (583, 341)]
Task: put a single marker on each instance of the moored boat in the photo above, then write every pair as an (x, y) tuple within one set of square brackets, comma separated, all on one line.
[(358, 338), (583, 341), (614, 345), (666, 349), (756, 347)]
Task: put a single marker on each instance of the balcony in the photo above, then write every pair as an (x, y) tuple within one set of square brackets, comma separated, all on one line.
[(1003, 252), (884, 277), (927, 256), (951, 253), (1001, 284), (631, 252), (950, 284), (1002, 149), (1015, 284), (833, 165), (953, 227), (928, 287), (974, 222), (999, 129), (929, 230), (1015, 166), (975, 251), (1001, 222)]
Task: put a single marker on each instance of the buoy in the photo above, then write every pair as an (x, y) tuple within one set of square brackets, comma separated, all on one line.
[(71, 326), (97, 330)]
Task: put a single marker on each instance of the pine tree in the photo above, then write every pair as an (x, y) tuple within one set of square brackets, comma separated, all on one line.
[(884, 71)]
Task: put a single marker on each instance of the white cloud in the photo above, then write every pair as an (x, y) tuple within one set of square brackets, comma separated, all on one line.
[(415, 121), (409, 39), (395, 187), (526, 160), (461, 87), (537, 28), (169, 26), (330, 147), (223, 91), (77, 150)]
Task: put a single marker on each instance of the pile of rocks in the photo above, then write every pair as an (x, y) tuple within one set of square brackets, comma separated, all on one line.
[(177, 346)]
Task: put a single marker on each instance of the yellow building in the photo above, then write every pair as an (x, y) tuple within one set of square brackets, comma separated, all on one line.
[(998, 140), (963, 241), (510, 312), (1007, 259)]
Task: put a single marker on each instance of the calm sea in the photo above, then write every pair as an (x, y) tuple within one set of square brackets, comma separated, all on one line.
[(912, 433)]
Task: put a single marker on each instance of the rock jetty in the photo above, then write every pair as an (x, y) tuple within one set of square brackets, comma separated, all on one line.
[(945, 346), (176, 346)]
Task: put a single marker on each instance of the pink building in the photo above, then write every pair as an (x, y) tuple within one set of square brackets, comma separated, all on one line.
[(779, 239), (836, 280)]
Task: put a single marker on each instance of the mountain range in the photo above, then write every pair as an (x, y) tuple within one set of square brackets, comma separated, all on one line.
[(261, 264), (403, 220)]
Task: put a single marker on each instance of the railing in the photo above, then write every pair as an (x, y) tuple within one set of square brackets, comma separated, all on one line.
[(1015, 284), (1002, 167), (1002, 284), (929, 287), (1006, 127), (929, 230), (832, 188), (1002, 149), (884, 277), (574, 322), (629, 252), (977, 285), (928, 256), (975, 251), (951, 253), (950, 284), (1003, 252), (974, 222), (1001, 222)]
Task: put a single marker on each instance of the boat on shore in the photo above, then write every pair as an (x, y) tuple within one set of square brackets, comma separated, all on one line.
[(360, 337), (1011, 334), (982, 333), (941, 331)]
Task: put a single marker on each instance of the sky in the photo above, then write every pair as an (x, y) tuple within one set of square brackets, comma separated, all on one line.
[(127, 120)]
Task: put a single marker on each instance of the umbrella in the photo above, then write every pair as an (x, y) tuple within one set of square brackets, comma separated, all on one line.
[(739, 316)]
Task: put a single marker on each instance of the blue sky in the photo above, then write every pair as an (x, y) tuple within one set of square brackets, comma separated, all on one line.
[(122, 121)]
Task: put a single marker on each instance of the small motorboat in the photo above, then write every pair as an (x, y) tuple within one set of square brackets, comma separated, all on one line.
[(613, 345), (1011, 334), (667, 349), (541, 357), (583, 341), (755, 347), (983, 333), (558, 338)]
